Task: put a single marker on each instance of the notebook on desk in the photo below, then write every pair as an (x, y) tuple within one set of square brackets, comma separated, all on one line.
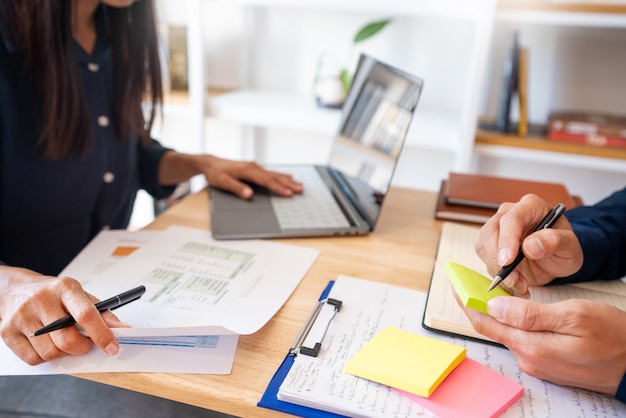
[(345, 196)]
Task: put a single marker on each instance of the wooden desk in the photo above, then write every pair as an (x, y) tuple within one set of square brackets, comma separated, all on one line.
[(401, 252)]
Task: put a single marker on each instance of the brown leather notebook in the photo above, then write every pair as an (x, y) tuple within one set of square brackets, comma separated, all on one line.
[(490, 191), (461, 213)]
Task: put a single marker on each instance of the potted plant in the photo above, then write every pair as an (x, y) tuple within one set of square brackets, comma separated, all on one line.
[(331, 89)]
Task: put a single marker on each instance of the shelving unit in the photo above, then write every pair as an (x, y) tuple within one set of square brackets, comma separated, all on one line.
[(443, 136), (536, 148), (582, 161), (566, 14), (447, 128), (265, 109)]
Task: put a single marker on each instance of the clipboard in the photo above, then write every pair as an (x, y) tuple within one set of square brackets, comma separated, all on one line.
[(270, 399)]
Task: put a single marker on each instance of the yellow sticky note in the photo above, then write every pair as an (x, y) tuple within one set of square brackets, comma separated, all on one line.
[(406, 361), (472, 286)]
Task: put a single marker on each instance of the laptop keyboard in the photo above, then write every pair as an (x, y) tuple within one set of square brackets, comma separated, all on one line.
[(315, 208)]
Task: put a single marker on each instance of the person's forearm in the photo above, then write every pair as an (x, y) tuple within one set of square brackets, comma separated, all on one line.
[(4, 285), (176, 167)]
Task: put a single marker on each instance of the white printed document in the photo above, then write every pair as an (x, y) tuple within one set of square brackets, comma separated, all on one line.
[(201, 294), (196, 285)]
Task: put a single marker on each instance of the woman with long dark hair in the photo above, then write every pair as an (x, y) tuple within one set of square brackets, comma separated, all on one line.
[(75, 148)]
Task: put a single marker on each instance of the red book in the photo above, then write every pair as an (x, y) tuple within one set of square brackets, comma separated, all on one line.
[(596, 140), (591, 128)]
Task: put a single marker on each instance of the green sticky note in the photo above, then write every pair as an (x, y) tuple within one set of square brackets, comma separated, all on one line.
[(471, 286), (406, 361)]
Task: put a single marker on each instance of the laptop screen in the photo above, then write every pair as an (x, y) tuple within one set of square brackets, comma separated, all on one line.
[(380, 107)]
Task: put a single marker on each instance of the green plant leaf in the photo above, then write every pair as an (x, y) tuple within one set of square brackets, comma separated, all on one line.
[(346, 80), (370, 30)]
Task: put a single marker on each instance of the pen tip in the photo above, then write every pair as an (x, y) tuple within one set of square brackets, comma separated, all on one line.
[(494, 283), (32, 334)]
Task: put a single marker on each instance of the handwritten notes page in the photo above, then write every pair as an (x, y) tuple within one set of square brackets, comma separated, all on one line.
[(320, 382), (369, 307)]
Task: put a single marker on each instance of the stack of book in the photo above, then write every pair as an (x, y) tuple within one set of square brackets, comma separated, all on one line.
[(475, 198), (592, 128)]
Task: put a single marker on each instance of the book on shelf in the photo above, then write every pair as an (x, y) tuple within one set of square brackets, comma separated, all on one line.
[(509, 85), (488, 191), (489, 125), (522, 92), (442, 312), (592, 128)]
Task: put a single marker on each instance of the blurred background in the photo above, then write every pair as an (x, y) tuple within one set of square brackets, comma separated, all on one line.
[(242, 76)]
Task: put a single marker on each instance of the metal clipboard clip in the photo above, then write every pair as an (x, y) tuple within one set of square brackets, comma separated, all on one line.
[(305, 335)]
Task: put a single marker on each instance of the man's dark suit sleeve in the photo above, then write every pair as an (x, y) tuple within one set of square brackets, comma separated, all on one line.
[(601, 230)]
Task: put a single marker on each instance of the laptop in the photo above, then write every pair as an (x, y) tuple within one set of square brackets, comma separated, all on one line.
[(345, 196)]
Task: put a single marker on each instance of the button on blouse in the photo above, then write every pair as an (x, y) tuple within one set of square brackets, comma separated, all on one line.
[(103, 121)]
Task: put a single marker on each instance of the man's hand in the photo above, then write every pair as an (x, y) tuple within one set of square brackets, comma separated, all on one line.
[(575, 342), (552, 252)]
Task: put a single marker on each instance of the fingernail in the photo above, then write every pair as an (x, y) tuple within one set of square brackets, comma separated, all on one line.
[(497, 307), (246, 193), (503, 256), (533, 247), (509, 282), (112, 349)]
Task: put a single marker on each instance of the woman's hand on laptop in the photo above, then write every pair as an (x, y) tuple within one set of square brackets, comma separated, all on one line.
[(225, 174)]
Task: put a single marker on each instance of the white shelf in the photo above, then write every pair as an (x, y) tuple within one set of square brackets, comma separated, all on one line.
[(463, 10), (430, 129), (562, 18), (552, 158), (275, 111)]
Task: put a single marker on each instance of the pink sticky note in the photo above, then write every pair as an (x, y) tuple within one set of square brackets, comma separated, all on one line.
[(471, 390)]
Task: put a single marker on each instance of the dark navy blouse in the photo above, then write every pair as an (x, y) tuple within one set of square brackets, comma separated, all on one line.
[(49, 210)]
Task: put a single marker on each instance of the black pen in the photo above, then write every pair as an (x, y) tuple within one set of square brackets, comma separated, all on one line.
[(547, 222), (106, 305)]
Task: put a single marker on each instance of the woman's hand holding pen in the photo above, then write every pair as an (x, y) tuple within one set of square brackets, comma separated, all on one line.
[(30, 300), (549, 253)]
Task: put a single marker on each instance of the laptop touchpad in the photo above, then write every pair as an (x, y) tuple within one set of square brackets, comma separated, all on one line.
[(222, 200), (227, 220)]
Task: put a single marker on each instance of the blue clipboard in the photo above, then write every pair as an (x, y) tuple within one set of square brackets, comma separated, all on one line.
[(270, 400)]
